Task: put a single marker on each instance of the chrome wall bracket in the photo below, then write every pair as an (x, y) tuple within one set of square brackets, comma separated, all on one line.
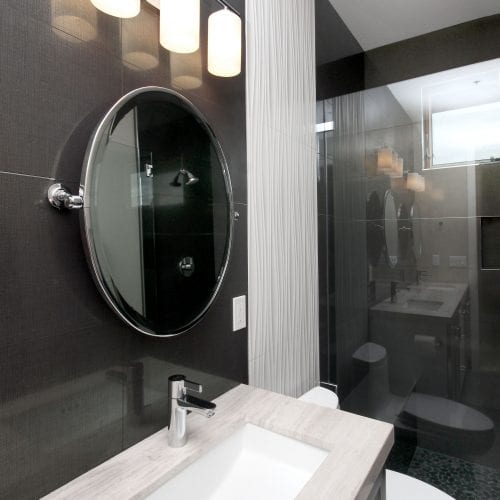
[(60, 196)]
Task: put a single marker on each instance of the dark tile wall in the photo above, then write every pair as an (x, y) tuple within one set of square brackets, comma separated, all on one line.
[(76, 385)]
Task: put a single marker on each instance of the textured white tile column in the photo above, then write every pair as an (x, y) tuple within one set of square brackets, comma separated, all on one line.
[(282, 208)]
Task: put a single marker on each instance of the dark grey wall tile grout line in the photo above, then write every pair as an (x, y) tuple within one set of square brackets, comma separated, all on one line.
[(4, 172)]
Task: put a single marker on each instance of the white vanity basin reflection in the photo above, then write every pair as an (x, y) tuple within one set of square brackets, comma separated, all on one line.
[(442, 288), (427, 299), (251, 463), (424, 305)]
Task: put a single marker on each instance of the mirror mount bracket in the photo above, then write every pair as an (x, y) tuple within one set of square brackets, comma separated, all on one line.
[(60, 196)]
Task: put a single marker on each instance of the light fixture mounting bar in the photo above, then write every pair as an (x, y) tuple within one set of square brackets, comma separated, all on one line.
[(228, 6)]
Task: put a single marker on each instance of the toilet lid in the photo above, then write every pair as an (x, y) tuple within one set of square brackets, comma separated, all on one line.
[(401, 486), (370, 353), (447, 413), (322, 397)]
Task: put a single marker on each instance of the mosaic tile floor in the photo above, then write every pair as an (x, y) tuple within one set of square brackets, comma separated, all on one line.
[(400, 457), (460, 479)]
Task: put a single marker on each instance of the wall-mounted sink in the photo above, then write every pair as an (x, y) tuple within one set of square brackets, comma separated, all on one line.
[(252, 463)]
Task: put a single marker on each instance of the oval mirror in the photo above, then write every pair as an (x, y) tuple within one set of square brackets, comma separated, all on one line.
[(417, 231), (158, 211), (405, 226), (374, 228), (391, 229)]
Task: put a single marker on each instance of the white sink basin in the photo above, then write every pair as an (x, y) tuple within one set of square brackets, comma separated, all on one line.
[(424, 305), (442, 288), (253, 463)]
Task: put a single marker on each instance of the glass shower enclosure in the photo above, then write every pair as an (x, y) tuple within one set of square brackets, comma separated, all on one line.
[(409, 256)]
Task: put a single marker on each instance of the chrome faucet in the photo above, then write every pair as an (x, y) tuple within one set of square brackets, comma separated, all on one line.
[(395, 287), (421, 274), (180, 404)]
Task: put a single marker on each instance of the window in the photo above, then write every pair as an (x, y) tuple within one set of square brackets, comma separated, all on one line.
[(466, 135), (461, 116)]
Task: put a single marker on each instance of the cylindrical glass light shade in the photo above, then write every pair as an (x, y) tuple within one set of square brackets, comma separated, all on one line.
[(401, 164), (415, 182), (180, 25), (186, 70), (394, 164), (397, 169), (398, 184), (384, 160), (118, 8), (224, 43), (140, 49), (74, 20), (421, 185)]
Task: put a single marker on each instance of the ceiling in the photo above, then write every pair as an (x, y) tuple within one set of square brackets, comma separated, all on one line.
[(375, 23)]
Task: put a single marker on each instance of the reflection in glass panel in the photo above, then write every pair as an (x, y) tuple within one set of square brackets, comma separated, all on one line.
[(414, 339), (74, 20), (391, 229), (140, 48), (186, 70)]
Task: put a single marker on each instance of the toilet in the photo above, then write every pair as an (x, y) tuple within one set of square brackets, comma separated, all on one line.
[(322, 397), (371, 377), (398, 486), (371, 359), (446, 425), (442, 424)]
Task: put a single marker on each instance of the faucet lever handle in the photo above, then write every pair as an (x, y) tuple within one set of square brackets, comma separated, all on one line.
[(193, 386)]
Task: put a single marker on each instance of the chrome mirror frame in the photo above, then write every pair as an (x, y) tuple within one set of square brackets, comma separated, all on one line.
[(391, 264), (60, 197)]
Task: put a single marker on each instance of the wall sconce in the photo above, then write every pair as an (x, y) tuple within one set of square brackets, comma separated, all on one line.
[(384, 160), (398, 184), (140, 41), (389, 163), (224, 40), (397, 167), (180, 34), (74, 20), (415, 182), (186, 70), (224, 43), (118, 8), (180, 25)]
